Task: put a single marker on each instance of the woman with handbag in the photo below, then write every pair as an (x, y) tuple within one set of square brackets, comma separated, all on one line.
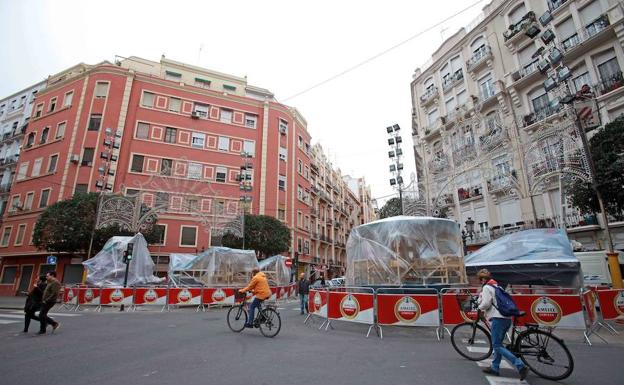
[(33, 302)]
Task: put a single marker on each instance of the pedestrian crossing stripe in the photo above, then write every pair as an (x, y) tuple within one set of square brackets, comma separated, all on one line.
[(505, 381), (4, 322), (487, 363), (49, 314), (477, 349)]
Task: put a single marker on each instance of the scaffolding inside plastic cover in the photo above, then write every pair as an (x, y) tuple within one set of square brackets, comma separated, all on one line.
[(405, 251), (530, 257), (276, 270), (107, 268), (217, 266)]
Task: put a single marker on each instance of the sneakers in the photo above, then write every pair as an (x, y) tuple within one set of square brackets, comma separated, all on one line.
[(523, 372), (491, 371), (56, 326)]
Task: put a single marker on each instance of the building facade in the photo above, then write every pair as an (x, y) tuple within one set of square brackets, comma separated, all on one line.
[(15, 111), (487, 135)]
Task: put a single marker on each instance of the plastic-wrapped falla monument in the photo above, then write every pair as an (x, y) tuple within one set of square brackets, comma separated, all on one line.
[(217, 266), (108, 269), (275, 270), (405, 251)]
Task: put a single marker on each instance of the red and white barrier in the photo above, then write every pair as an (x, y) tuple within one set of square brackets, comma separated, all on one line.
[(452, 313), (150, 296), (351, 307), (218, 296), (408, 309), (70, 296), (117, 296), (88, 296), (611, 303), (185, 296), (317, 302), (589, 301), (562, 311)]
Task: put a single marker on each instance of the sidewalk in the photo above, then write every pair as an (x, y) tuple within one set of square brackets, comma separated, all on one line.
[(12, 302)]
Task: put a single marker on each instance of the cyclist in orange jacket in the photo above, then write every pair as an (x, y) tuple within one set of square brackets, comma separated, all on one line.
[(259, 286)]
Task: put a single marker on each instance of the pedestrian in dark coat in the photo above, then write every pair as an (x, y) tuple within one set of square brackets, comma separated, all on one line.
[(303, 288), (50, 295), (33, 302)]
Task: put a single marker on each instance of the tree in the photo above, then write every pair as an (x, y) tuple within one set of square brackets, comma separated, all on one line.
[(607, 148), (266, 235), (392, 208), (66, 226)]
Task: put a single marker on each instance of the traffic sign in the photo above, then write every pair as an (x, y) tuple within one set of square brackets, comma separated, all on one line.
[(51, 260), (288, 262)]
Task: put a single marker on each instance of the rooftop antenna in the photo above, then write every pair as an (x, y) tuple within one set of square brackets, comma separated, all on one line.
[(201, 46)]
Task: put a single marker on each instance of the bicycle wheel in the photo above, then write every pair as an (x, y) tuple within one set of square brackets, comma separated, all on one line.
[(270, 323), (472, 341), (546, 355), (236, 318)]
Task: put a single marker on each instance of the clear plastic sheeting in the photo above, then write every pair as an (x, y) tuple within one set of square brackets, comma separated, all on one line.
[(405, 251), (275, 270), (530, 257), (107, 268), (217, 266)]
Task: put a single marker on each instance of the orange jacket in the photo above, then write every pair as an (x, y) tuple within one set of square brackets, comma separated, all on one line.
[(259, 286)]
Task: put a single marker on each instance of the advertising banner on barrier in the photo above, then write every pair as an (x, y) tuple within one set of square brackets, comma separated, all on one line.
[(88, 296), (589, 300), (611, 303), (317, 302), (116, 296), (218, 296), (70, 296), (351, 307), (453, 313), (185, 296), (563, 311), (150, 296), (408, 309)]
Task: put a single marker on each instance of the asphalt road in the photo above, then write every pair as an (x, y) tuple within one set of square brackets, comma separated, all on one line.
[(184, 347)]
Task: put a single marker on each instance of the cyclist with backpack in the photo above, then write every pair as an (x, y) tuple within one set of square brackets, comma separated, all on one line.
[(498, 308)]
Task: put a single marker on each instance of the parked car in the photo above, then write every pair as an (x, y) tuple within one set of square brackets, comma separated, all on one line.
[(340, 281)]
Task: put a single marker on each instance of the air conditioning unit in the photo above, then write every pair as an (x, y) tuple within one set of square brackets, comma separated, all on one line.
[(194, 115), (74, 158)]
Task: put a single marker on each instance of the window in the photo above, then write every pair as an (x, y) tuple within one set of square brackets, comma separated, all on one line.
[(198, 140), (281, 212), (283, 126), (95, 121), (19, 237), (15, 203), (299, 166), (487, 88), (170, 135), (192, 205), (44, 135), (219, 206), (60, 130), (10, 272), (201, 110), (221, 174), (39, 110), (160, 231), (540, 103), (166, 165), (81, 188), (229, 87), (130, 192), (202, 83), (249, 147), (87, 156), (224, 143), (195, 170), (283, 154), (162, 199), (432, 117), (175, 104), (30, 140), (23, 169), (609, 70), (281, 183), (226, 116), (250, 121), (29, 201), (580, 81), (101, 89), (36, 170), (148, 99), (137, 163), (188, 236), (142, 130), (67, 100), (173, 76), (52, 106), (43, 201), (52, 163)]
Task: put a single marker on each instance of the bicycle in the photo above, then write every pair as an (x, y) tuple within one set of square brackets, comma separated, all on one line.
[(541, 351), (268, 319)]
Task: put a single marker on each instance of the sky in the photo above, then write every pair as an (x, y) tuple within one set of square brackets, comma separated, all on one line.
[(284, 46)]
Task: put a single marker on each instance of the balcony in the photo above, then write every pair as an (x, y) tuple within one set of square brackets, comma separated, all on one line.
[(493, 139), (488, 94), (444, 200), (515, 33), (540, 115), (439, 163), (429, 96), (479, 58), (479, 237), (9, 160), (502, 182), (586, 38), (450, 81), (469, 194), (612, 83), (465, 152), (526, 75), (553, 5)]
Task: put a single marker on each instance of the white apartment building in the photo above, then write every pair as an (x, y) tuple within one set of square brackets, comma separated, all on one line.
[(487, 134), (15, 112)]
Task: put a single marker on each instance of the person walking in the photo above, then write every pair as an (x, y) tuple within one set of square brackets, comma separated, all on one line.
[(50, 294), (33, 302), (499, 323), (303, 289)]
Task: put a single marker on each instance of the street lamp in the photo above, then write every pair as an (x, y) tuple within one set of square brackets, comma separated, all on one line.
[(395, 154), (245, 187)]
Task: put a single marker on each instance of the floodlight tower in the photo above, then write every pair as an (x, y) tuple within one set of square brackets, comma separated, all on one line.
[(395, 154)]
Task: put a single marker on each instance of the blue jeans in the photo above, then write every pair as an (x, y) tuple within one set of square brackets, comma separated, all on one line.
[(304, 302), (499, 328), (256, 303)]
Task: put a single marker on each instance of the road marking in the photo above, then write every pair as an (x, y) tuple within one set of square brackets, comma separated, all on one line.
[(465, 341), (50, 314), (505, 381), (488, 362), (477, 349), (4, 322), (3, 315)]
